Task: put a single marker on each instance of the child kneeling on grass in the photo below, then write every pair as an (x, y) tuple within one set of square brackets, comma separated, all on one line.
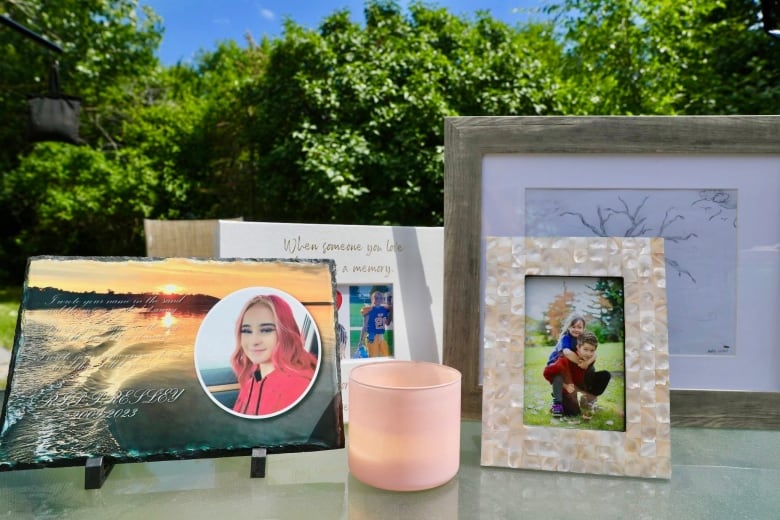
[(568, 378)]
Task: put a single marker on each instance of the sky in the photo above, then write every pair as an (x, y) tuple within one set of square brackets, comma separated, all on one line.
[(194, 25), (177, 276)]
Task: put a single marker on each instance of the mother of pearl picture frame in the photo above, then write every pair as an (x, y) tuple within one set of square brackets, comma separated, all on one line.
[(643, 449)]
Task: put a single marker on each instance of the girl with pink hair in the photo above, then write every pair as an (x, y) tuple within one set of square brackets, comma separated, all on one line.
[(272, 366)]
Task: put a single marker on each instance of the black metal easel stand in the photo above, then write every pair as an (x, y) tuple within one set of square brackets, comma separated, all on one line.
[(97, 469), (96, 472), (259, 457)]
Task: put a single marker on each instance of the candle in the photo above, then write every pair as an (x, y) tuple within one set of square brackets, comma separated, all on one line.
[(369, 503), (404, 424)]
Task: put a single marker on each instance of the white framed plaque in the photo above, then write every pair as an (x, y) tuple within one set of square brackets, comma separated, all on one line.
[(397, 268)]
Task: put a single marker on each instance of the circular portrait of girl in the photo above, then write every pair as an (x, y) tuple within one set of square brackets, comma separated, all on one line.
[(257, 352)]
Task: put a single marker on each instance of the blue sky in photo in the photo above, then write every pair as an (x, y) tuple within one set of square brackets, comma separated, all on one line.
[(195, 25)]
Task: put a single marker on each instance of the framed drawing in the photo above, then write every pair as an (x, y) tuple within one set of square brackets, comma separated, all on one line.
[(389, 283), (705, 184), (141, 359), (610, 410)]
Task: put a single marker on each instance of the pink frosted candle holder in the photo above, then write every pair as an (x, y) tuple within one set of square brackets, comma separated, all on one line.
[(404, 424)]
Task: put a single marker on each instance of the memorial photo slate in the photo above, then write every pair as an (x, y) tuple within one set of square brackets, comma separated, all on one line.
[(140, 359)]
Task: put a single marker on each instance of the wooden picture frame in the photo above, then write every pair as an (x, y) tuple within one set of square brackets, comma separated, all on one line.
[(469, 141), (577, 442)]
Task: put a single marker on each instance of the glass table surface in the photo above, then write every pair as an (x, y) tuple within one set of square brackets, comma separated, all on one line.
[(716, 473)]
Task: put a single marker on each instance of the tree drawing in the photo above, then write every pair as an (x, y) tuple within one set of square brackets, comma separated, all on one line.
[(699, 226), (633, 222), (718, 204)]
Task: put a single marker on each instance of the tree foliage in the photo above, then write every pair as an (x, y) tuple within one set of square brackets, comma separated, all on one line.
[(666, 57), (609, 322), (557, 311), (349, 121), (343, 124), (76, 200)]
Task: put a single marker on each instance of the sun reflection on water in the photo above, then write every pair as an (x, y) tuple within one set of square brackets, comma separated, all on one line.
[(168, 320)]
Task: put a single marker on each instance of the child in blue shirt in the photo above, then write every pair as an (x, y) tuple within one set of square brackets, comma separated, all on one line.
[(377, 317), (566, 346)]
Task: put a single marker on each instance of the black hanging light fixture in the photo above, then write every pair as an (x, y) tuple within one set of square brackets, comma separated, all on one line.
[(54, 116)]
